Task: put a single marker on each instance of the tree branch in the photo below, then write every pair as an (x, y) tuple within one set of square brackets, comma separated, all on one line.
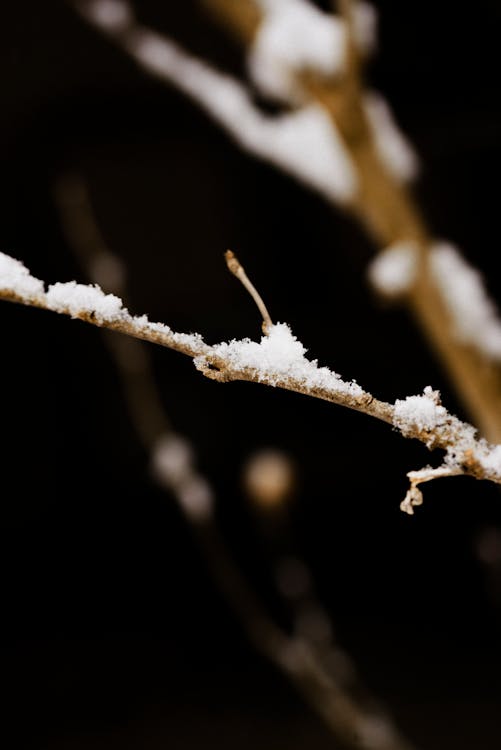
[(386, 207), (238, 270), (357, 168), (277, 360)]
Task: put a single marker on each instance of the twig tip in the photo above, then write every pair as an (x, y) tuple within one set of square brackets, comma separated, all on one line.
[(232, 262), (238, 270)]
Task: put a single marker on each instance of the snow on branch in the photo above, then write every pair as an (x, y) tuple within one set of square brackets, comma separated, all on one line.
[(294, 36), (278, 360), (303, 142), (91, 304), (393, 271), (474, 315), (392, 146), (339, 139)]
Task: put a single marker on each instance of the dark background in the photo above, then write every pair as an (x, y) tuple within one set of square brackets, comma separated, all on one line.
[(113, 634)]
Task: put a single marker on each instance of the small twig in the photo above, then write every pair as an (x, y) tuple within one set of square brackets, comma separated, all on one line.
[(414, 496), (238, 270)]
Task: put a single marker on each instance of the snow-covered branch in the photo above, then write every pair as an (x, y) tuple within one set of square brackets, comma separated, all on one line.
[(277, 360), (91, 304), (340, 140), (303, 142)]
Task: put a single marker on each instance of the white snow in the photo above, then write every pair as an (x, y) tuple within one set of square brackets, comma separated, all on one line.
[(393, 271), (490, 459), (425, 413), (294, 36), (279, 356), (304, 143), (110, 15), (162, 56), (278, 352), (474, 316), (16, 278), (194, 340), (365, 26), (77, 299), (393, 148), (419, 412), (279, 360), (225, 98)]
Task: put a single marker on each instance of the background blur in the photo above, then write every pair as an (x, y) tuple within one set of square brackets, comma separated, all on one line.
[(113, 634)]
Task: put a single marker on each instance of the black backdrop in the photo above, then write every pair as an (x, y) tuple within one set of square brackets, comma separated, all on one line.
[(113, 634)]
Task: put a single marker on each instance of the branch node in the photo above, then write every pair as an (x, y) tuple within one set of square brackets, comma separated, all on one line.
[(211, 368)]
